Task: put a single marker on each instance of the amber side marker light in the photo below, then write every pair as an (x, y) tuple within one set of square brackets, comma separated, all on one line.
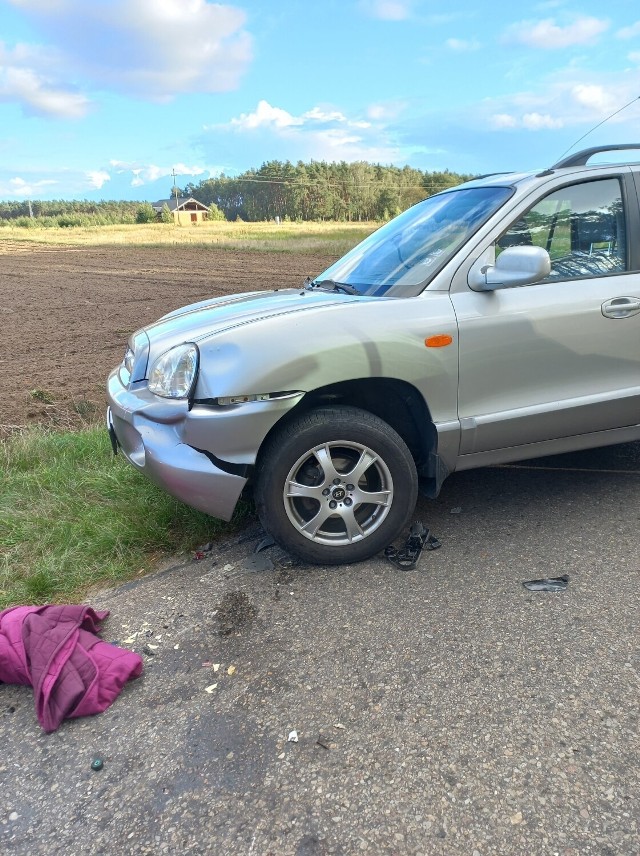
[(440, 341)]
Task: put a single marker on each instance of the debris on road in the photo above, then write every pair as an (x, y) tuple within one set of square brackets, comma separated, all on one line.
[(202, 552), (293, 737), (419, 539), (550, 584), (266, 542)]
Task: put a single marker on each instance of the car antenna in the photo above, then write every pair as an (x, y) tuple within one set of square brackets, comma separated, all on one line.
[(615, 113)]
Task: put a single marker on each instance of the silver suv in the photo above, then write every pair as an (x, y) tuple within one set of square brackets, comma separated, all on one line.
[(496, 321)]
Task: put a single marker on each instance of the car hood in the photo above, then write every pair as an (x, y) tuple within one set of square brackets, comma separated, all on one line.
[(200, 321)]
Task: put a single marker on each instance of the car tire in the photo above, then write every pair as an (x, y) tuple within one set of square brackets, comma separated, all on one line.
[(335, 485)]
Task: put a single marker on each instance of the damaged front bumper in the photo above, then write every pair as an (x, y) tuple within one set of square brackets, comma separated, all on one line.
[(150, 433)]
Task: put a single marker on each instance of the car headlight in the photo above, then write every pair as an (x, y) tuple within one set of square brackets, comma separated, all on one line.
[(174, 373)]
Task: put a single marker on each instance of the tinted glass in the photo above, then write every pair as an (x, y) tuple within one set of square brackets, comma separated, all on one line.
[(582, 227)]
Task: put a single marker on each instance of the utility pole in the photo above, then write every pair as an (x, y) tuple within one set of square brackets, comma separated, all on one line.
[(175, 193)]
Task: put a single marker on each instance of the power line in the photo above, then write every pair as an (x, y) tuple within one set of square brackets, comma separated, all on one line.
[(322, 184)]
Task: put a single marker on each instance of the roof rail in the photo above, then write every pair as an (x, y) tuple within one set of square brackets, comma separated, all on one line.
[(581, 158), (490, 174)]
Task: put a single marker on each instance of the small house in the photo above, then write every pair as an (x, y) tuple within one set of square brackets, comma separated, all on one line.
[(184, 210)]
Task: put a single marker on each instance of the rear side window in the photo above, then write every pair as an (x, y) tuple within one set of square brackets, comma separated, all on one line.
[(582, 227)]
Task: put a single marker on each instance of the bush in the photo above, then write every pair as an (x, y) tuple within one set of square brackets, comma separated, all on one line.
[(146, 214), (70, 220), (215, 213)]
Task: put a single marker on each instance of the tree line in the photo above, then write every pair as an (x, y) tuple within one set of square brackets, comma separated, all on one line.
[(316, 191), (321, 191), (61, 213)]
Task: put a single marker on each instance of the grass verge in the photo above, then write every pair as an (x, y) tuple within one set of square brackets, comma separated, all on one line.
[(73, 516)]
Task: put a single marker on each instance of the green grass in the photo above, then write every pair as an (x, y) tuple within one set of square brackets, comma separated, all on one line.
[(74, 517)]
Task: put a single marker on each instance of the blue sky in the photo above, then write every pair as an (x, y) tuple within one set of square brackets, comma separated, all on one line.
[(102, 99)]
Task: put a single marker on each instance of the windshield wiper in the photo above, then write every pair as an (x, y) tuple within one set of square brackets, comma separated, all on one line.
[(331, 285)]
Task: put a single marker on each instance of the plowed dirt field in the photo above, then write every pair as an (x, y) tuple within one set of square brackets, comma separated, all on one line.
[(66, 314)]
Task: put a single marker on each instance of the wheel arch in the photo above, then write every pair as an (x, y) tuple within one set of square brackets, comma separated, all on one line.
[(397, 403)]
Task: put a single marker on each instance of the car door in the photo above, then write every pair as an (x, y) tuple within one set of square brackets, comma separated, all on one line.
[(560, 357)]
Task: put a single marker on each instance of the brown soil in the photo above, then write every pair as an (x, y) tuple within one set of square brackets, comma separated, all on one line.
[(66, 314)]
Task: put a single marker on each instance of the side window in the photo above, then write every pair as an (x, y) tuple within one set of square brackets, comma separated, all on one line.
[(581, 226)]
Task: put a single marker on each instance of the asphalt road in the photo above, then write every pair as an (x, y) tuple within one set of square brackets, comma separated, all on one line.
[(446, 710)]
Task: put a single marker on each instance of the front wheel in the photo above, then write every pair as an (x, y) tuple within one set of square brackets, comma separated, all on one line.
[(335, 485)]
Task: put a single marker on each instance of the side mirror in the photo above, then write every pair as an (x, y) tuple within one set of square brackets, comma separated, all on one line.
[(514, 266)]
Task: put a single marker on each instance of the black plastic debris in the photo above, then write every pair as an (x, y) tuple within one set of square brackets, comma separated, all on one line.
[(266, 542), (419, 539), (550, 584), (97, 764)]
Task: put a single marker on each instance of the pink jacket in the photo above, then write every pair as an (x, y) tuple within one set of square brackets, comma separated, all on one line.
[(54, 649)]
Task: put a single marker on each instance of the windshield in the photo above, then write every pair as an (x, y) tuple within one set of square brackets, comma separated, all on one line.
[(400, 258)]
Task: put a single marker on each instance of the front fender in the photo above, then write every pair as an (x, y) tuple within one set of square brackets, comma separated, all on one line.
[(381, 338)]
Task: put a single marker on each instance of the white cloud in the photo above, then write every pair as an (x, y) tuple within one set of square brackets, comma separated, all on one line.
[(142, 174), (593, 97), (44, 182), (463, 45), (324, 116), (569, 98), (634, 56), (547, 35), (387, 111), (530, 121), (537, 121), (38, 96), (265, 116), (97, 178), (629, 32), (319, 133), (151, 48), (503, 120), (388, 10), (18, 187), (25, 78)]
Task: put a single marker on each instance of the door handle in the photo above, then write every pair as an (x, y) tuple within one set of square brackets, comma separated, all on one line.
[(621, 307)]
